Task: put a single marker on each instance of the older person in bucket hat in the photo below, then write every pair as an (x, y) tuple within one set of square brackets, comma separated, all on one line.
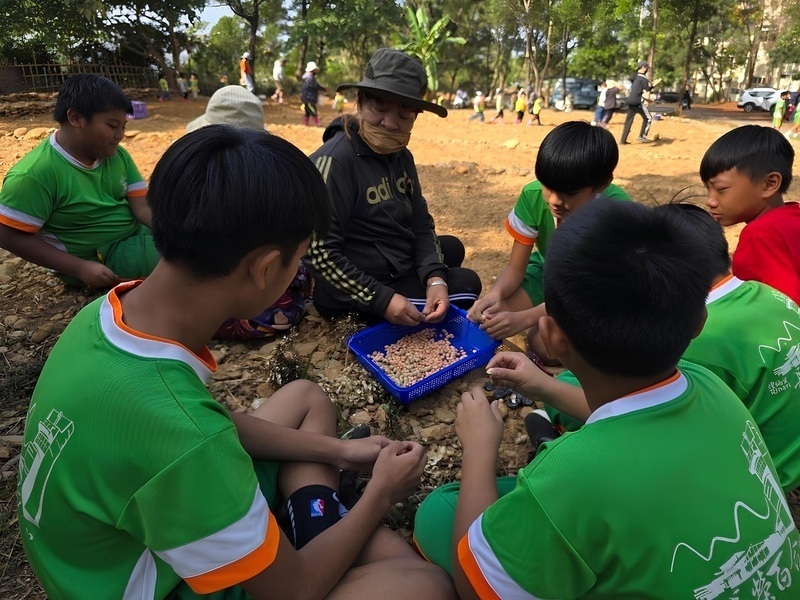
[(382, 257)]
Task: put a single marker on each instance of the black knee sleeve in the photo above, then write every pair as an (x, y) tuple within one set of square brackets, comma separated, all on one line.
[(311, 510)]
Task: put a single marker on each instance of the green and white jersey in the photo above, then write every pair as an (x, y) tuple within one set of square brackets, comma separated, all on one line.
[(132, 476), (751, 340), (531, 222), (75, 208), (666, 493)]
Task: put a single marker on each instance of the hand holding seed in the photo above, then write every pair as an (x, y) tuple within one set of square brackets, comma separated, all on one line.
[(502, 324), (398, 470), (360, 454), (516, 371), (490, 302), (479, 425), (436, 304), (401, 312)]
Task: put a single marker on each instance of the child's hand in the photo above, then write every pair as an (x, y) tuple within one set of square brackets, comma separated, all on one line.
[(489, 302), (97, 275), (503, 324), (479, 425), (516, 371), (360, 454), (398, 470)]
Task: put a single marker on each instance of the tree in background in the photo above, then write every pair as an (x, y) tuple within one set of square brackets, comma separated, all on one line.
[(425, 41)]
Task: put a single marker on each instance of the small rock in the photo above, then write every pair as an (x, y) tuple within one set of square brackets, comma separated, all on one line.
[(265, 390), (4, 452), (17, 335), (306, 348), (445, 415), (219, 356), (461, 170), (436, 432), (442, 165), (20, 131), (20, 323), (360, 417), (42, 333), (521, 439), (36, 133), (511, 144), (257, 402), (10, 320)]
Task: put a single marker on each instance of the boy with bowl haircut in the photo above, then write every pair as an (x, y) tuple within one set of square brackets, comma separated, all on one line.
[(126, 451), (575, 164), (746, 173), (76, 203), (645, 500), (748, 341)]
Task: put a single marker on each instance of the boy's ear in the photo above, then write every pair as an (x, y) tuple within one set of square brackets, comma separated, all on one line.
[(555, 341), (74, 118), (262, 262), (771, 184)]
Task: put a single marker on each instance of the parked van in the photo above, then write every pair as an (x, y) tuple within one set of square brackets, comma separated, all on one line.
[(584, 93)]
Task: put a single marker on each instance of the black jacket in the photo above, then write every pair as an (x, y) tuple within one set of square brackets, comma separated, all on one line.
[(380, 226), (639, 85), (611, 98)]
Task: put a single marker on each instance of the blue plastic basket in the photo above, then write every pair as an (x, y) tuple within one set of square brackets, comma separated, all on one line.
[(477, 345)]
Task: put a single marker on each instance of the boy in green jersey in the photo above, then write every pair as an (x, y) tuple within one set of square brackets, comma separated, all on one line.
[(76, 203), (135, 483), (575, 164), (668, 491), (749, 341)]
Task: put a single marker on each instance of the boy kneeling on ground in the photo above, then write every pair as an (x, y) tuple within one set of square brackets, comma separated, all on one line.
[(135, 483), (668, 491)]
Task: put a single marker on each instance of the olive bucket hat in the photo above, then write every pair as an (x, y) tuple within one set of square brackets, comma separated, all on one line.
[(397, 77)]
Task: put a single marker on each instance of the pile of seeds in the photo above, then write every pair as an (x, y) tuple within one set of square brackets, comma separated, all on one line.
[(414, 357)]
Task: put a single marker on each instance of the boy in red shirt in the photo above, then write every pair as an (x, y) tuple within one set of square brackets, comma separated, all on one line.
[(746, 173)]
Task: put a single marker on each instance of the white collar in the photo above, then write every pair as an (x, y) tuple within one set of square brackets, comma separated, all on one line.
[(71, 159), (661, 393), (727, 285)]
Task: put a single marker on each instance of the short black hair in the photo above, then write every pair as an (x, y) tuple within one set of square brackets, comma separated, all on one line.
[(89, 94), (220, 192), (708, 229), (576, 155), (627, 284), (753, 150)]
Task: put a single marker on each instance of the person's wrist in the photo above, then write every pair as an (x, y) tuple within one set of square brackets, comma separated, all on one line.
[(378, 493), (436, 281)]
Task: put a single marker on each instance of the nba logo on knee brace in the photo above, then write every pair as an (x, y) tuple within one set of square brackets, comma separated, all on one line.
[(318, 508)]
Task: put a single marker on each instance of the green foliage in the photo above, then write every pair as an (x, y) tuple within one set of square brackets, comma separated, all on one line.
[(425, 41)]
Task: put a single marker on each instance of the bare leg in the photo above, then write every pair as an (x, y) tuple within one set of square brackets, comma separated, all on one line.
[(302, 405)]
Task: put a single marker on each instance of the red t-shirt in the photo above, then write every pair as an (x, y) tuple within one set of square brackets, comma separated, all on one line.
[(769, 250)]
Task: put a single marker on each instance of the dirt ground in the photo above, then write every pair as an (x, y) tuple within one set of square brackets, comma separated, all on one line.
[(471, 174)]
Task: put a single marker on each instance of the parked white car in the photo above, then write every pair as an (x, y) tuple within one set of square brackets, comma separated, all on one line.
[(762, 98)]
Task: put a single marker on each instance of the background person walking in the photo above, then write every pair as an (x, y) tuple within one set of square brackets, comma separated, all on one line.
[(639, 85), (246, 72)]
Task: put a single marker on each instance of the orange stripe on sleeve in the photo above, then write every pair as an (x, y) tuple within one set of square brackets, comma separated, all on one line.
[(525, 241), (242, 569), (19, 225), (141, 193), (473, 572)]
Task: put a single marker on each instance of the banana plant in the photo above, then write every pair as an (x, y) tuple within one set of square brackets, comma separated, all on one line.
[(425, 40)]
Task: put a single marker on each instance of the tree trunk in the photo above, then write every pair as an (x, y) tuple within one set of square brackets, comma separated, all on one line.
[(687, 65), (754, 46), (652, 56), (564, 69), (302, 48), (548, 53), (528, 61)]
